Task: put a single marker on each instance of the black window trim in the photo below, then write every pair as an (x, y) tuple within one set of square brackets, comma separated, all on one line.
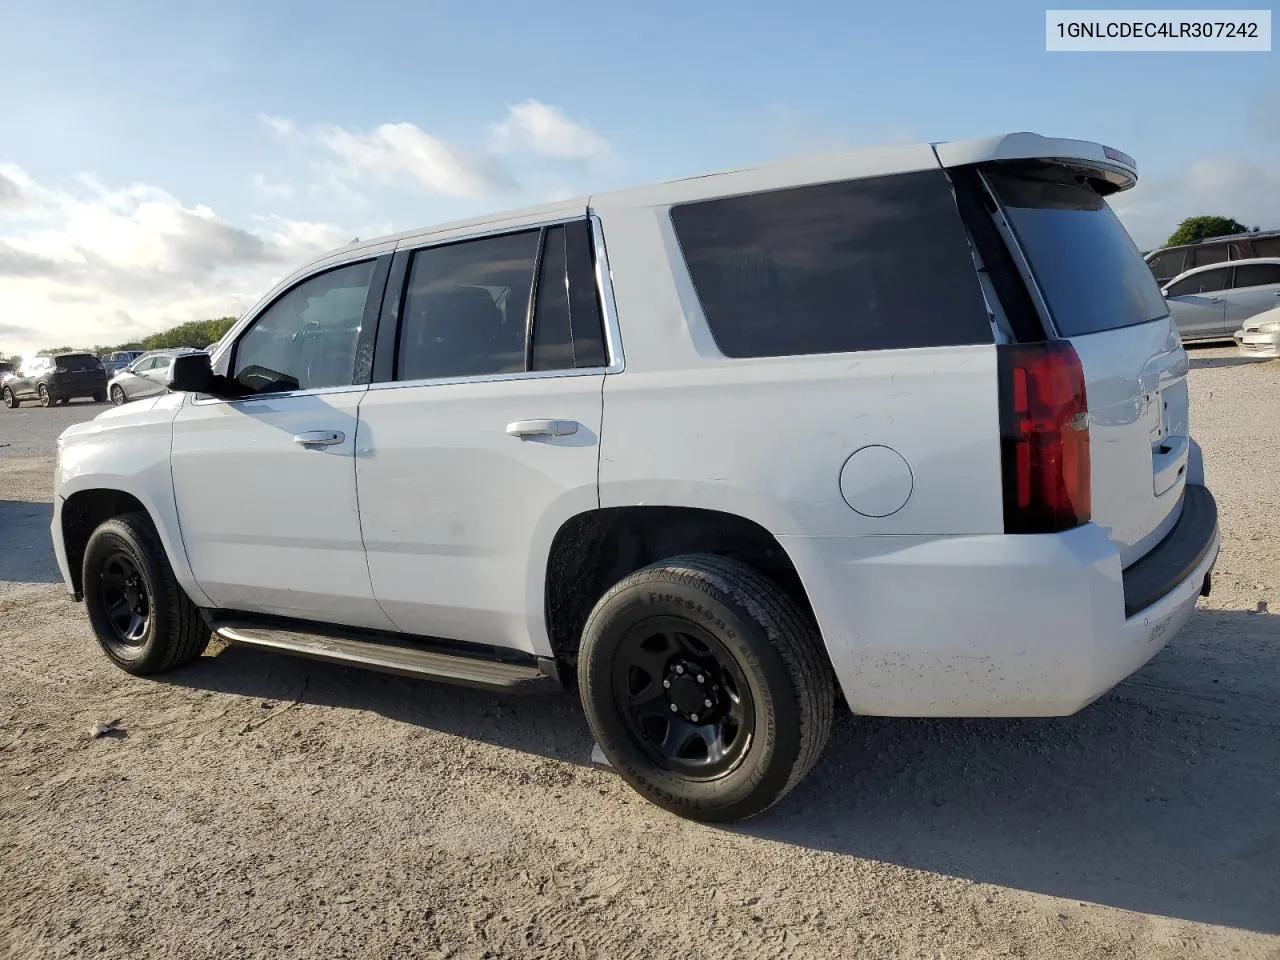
[(392, 311), (226, 361)]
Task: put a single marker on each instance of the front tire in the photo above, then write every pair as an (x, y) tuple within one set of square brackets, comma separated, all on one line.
[(43, 394), (10, 400), (142, 618), (100, 397), (706, 686), (117, 395)]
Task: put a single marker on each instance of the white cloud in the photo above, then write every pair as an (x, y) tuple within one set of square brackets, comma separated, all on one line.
[(99, 265), (281, 126), (1226, 185), (282, 190), (545, 130), (401, 151)]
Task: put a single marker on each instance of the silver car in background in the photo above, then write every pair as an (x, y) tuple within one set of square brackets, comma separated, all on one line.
[(1213, 302), (145, 377)]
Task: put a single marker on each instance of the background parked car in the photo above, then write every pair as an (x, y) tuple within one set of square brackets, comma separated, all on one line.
[(145, 377), (1260, 335), (56, 379), (1211, 303), (1168, 263), (113, 363)]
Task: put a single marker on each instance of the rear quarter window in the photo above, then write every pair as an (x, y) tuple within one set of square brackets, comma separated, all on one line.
[(874, 264), (1091, 274)]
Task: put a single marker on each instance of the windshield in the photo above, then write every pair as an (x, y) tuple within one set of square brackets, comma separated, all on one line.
[(1091, 274)]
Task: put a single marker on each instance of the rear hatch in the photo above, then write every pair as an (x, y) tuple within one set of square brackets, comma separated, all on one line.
[(79, 370), (1100, 295)]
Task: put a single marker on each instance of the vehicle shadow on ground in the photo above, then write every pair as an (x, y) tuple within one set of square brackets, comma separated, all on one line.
[(1162, 797), (26, 554), (1199, 363)]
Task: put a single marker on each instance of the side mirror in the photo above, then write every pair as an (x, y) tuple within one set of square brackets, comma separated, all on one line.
[(191, 373)]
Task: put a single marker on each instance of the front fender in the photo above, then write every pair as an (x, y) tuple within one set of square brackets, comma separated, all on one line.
[(127, 449)]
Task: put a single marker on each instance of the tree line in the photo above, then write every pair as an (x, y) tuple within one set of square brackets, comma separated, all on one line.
[(193, 333)]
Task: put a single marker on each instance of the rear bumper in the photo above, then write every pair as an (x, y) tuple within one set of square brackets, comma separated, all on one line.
[(78, 387), (999, 625)]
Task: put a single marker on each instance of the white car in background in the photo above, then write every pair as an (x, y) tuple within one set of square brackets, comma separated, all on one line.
[(1212, 302), (1260, 335), (147, 376)]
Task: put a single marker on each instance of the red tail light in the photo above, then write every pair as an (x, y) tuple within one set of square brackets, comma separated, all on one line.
[(1044, 437)]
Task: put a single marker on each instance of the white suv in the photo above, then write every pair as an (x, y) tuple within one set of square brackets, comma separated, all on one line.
[(906, 426)]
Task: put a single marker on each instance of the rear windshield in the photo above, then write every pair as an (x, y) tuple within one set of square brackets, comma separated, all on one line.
[(79, 361), (1090, 272)]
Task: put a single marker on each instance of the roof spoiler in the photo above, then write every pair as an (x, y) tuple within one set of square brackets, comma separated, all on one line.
[(1115, 167)]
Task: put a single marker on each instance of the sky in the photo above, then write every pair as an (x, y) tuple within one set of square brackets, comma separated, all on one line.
[(162, 162)]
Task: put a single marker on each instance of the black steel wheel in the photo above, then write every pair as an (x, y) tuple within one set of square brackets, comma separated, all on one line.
[(706, 686), (126, 597), (684, 697), (143, 619)]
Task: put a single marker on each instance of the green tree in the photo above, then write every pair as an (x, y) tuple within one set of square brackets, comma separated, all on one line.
[(1195, 229)]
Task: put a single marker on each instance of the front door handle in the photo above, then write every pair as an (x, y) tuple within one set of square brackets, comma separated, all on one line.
[(319, 438), (542, 428)]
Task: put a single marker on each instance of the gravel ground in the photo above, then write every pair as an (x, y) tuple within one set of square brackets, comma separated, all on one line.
[(259, 806)]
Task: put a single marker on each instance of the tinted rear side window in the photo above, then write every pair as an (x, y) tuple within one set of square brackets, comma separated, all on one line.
[(874, 264), (1257, 275), (1088, 269)]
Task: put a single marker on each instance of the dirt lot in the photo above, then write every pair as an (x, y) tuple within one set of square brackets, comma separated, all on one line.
[(258, 806)]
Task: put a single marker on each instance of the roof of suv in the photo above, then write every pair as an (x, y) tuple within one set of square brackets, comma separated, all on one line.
[(1224, 238), (1118, 167), (1223, 265)]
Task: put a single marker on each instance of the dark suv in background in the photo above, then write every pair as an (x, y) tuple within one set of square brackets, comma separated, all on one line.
[(1169, 262), (56, 379)]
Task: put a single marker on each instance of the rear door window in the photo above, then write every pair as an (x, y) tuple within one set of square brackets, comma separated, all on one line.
[(875, 264), (1092, 276), (1266, 247), (1205, 254), (467, 312), (1257, 275), (1205, 282)]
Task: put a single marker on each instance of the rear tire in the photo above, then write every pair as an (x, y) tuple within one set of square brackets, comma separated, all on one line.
[(43, 394), (142, 618), (10, 400), (100, 397), (700, 626), (117, 395)]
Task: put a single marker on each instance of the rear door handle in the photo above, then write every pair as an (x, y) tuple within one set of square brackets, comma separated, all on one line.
[(542, 428), (319, 438)]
